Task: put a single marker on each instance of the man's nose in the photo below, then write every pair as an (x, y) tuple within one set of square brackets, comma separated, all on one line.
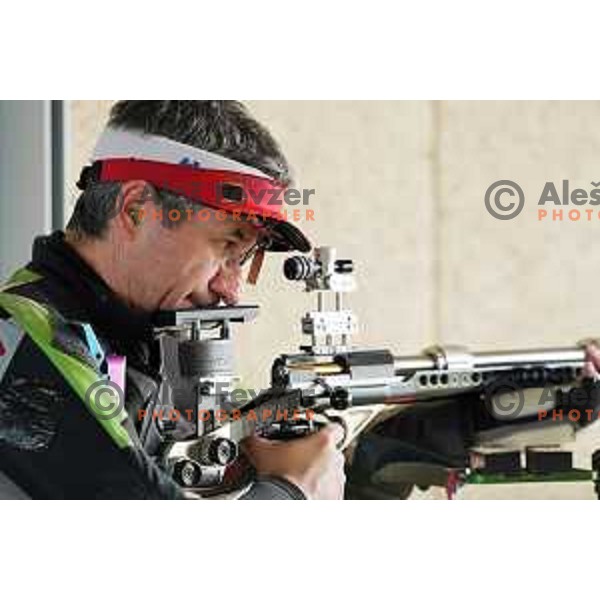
[(227, 283)]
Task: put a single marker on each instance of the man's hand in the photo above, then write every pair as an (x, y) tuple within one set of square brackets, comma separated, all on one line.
[(591, 367), (312, 463)]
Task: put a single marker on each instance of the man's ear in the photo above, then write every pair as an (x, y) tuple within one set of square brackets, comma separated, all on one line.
[(133, 197)]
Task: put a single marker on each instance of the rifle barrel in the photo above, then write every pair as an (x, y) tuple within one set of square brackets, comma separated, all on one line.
[(572, 356)]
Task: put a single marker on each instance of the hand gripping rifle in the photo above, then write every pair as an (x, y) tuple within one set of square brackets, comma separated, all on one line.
[(443, 417)]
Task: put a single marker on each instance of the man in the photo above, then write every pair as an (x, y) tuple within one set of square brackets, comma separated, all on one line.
[(127, 252)]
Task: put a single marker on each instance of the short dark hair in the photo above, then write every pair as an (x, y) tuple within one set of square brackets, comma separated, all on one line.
[(224, 127)]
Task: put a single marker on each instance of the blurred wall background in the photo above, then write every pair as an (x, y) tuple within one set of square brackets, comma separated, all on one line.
[(400, 189)]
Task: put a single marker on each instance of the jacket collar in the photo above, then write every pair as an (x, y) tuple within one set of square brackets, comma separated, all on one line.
[(85, 293)]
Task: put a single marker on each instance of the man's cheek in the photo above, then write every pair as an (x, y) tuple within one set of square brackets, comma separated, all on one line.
[(210, 270)]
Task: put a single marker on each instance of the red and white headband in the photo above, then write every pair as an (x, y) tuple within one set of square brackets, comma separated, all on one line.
[(199, 175)]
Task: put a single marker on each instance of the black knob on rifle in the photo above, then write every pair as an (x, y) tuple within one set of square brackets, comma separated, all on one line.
[(344, 265), (187, 473), (299, 268), (279, 373), (340, 398), (221, 451)]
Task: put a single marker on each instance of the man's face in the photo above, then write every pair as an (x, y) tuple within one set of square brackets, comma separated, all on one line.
[(195, 263)]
